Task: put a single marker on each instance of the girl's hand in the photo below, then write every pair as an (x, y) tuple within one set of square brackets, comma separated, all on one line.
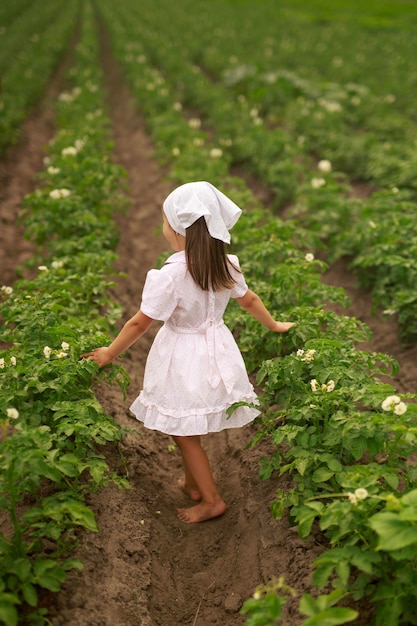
[(282, 327), (102, 356)]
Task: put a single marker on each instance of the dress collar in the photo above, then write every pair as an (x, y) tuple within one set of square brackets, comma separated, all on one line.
[(177, 257)]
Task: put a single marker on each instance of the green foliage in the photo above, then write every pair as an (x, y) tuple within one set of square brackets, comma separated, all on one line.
[(53, 428)]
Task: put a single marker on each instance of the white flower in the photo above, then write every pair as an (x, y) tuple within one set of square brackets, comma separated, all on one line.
[(395, 190), (47, 351), (194, 122), (308, 356), (372, 224), (316, 183), (389, 403), (12, 413), (57, 194), (65, 97), (70, 151), (324, 166), (352, 498), (61, 355), (309, 257), (79, 144), (176, 151), (57, 264), (400, 408), (53, 170), (65, 345), (361, 493), (1, 364), (313, 406), (13, 360), (389, 311), (198, 141), (7, 290), (314, 384), (331, 107), (216, 153), (177, 106), (43, 268), (330, 386)]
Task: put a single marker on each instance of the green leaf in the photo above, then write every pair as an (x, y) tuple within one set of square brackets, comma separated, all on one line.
[(22, 568), (8, 613), (308, 605), (29, 594), (49, 581), (322, 474), (332, 617), (322, 575), (393, 532)]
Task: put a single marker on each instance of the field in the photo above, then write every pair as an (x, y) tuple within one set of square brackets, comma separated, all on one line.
[(140, 564)]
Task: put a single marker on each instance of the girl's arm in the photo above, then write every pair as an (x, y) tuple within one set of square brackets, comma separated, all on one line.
[(252, 303), (131, 331)]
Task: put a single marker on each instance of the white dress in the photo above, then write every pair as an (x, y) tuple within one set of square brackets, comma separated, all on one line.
[(194, 370)]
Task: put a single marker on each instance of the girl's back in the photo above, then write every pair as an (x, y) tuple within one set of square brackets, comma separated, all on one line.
[(171, 294)]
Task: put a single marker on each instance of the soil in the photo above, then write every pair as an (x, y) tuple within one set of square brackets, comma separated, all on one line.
[(145, 567)]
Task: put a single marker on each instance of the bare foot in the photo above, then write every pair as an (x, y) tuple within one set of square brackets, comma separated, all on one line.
[(193, 493), (202, 512)]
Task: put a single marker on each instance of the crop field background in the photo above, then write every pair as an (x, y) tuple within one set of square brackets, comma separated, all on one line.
[(305, 114)]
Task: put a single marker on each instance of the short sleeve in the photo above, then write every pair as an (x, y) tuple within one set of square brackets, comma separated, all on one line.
[(158, 297), (240, 287)]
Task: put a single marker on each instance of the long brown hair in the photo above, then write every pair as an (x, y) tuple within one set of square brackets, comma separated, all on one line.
[(206, 257)]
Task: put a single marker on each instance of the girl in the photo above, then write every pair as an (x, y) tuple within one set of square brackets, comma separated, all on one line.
[(194, 370)]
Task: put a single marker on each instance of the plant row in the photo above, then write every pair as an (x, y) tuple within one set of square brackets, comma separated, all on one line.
[(317, 144), (345, 437), (54, 431), (31, 46)]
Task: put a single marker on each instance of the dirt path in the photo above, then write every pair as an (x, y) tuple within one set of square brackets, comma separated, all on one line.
[(145, 567)]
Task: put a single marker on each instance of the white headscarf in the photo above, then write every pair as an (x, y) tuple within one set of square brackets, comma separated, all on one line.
[(187, 203)]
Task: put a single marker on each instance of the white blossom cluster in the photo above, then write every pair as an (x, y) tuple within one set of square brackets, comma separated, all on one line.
[(359, 494), (58, 194), (73, 150), (3, 363), (394, 404), (324, 166), (316, 183), (56, 265), (60, 354), (194, 123), (327, 387), (6, 290), (306, 355), (69, 96), (12, 413)]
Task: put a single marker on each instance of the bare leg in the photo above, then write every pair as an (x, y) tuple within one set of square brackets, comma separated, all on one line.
[(198, 469), (188, 484)]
